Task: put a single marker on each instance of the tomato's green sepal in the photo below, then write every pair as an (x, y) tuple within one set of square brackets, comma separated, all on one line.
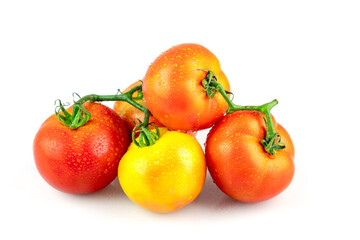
[(79, 117), (210, 88), (146, 137), (273, 144)]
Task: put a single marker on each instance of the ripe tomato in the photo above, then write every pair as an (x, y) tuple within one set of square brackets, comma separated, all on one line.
[(173, 89), (238, 163), (130, 114), (83, 160), (165, 176)]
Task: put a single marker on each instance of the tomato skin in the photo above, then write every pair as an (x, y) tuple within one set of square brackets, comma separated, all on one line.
[(84, 160), (173, 88), (165, 176), (130, 114), (238, 163)]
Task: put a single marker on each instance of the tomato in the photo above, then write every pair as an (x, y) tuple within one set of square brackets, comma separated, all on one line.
[(238, 163), (165, 176), (130, 114), (84, 160), (173, 89)]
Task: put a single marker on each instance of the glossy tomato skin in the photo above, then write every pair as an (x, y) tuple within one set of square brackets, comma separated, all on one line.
[(130, 114), (84, 160), (173, 88), (165, 176), (238, 163)]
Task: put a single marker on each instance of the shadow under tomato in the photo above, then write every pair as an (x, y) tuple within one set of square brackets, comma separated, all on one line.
[(111, 192), (211, 197)]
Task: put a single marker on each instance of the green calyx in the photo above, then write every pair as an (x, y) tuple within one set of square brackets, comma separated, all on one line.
[(74, 120), (80, 116), (272, 144), (146, 136), (272, 141), (211, 87)]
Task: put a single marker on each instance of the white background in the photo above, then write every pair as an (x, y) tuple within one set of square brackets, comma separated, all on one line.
[(304, 53)]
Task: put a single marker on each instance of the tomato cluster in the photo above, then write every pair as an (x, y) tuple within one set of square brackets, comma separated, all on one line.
[(148, 138)]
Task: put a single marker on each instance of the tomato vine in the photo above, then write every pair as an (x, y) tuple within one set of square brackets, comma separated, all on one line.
[(80, 116)]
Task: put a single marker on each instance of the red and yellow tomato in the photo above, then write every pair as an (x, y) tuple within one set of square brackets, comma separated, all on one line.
[(165, 176)]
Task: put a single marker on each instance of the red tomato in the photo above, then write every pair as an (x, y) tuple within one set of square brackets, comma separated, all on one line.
[(84, 160), (173, 89), (130, 114), (238, 163)]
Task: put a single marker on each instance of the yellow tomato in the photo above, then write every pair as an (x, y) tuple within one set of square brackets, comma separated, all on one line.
[(165, 176)]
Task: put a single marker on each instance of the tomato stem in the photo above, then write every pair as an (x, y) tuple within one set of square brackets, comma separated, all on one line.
[(126, 97), (272, 140), (80, 116)]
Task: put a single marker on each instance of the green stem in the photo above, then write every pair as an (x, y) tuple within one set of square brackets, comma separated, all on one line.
[(126, 97), (264, 109), (81, 116)]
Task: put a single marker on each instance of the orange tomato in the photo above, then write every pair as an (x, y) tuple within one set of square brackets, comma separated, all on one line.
[(173, 89)]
